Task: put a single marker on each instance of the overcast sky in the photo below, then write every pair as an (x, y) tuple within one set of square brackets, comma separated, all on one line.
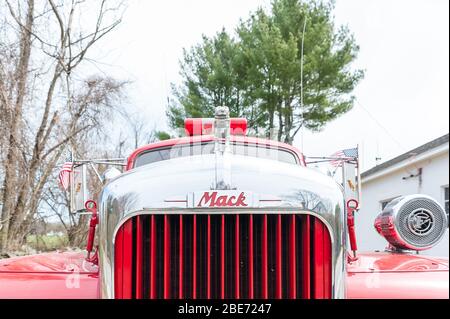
[(403, 100)]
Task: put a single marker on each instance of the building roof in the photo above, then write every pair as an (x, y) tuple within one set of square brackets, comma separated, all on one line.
[(419, 150)]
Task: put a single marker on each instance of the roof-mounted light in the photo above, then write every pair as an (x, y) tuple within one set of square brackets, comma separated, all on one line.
[(205, 126)]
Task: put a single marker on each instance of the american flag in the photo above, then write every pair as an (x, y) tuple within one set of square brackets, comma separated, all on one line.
[(64, 174), (342, 155)]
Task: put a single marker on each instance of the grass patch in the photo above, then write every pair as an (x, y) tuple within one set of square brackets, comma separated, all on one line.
[(47, 242)]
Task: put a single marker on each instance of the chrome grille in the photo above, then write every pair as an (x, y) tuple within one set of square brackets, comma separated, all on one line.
[(221, 256)]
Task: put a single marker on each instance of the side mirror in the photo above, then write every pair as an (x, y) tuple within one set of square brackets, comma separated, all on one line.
[(74, 176), (79, 191), (350, 182)]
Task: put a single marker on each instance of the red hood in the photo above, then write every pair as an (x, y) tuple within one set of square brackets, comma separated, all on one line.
[(374, 275), (395, 262), (397, 276), (57, 275), (60, 262)]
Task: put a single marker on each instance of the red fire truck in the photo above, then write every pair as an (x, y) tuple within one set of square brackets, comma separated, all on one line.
[(219, 215)]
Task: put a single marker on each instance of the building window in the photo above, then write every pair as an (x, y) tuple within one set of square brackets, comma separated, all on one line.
[(446, 199)]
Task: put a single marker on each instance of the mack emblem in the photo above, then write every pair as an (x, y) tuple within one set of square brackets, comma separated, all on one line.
[(210, 199)]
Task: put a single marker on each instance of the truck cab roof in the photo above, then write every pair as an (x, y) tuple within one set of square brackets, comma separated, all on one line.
[(242, 145)]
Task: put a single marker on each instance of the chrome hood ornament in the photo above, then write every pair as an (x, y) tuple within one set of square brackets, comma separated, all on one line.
[(222, 149)]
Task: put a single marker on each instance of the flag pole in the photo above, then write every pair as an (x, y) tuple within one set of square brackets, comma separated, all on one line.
[(358, 172), (71, 179)]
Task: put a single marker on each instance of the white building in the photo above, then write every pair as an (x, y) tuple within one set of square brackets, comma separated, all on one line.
[(423, 170)]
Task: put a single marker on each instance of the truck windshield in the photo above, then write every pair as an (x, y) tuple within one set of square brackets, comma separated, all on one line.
[(260, 151)]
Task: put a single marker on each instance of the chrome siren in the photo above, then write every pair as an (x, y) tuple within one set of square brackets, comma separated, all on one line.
[(413, 222)]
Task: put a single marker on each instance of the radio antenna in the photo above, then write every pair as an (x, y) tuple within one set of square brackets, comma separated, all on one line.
[(301, 78), (301, 64)]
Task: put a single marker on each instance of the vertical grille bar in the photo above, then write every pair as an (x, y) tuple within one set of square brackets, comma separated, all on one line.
[(166, 257), (272, 243), (174, 262), (285, 255), (265, 263), (208, 261), (236, 257), (139, 260), (202, 256), (181, 259), (230, 265), (153, 277), (306, 257), (278, 265), (215, 249), (127, 263), (194, 258), (244, 260), (292, 258), (250, 258), (222, 258), (258, 260), (187, 256), (159, 256), (318, 257)]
